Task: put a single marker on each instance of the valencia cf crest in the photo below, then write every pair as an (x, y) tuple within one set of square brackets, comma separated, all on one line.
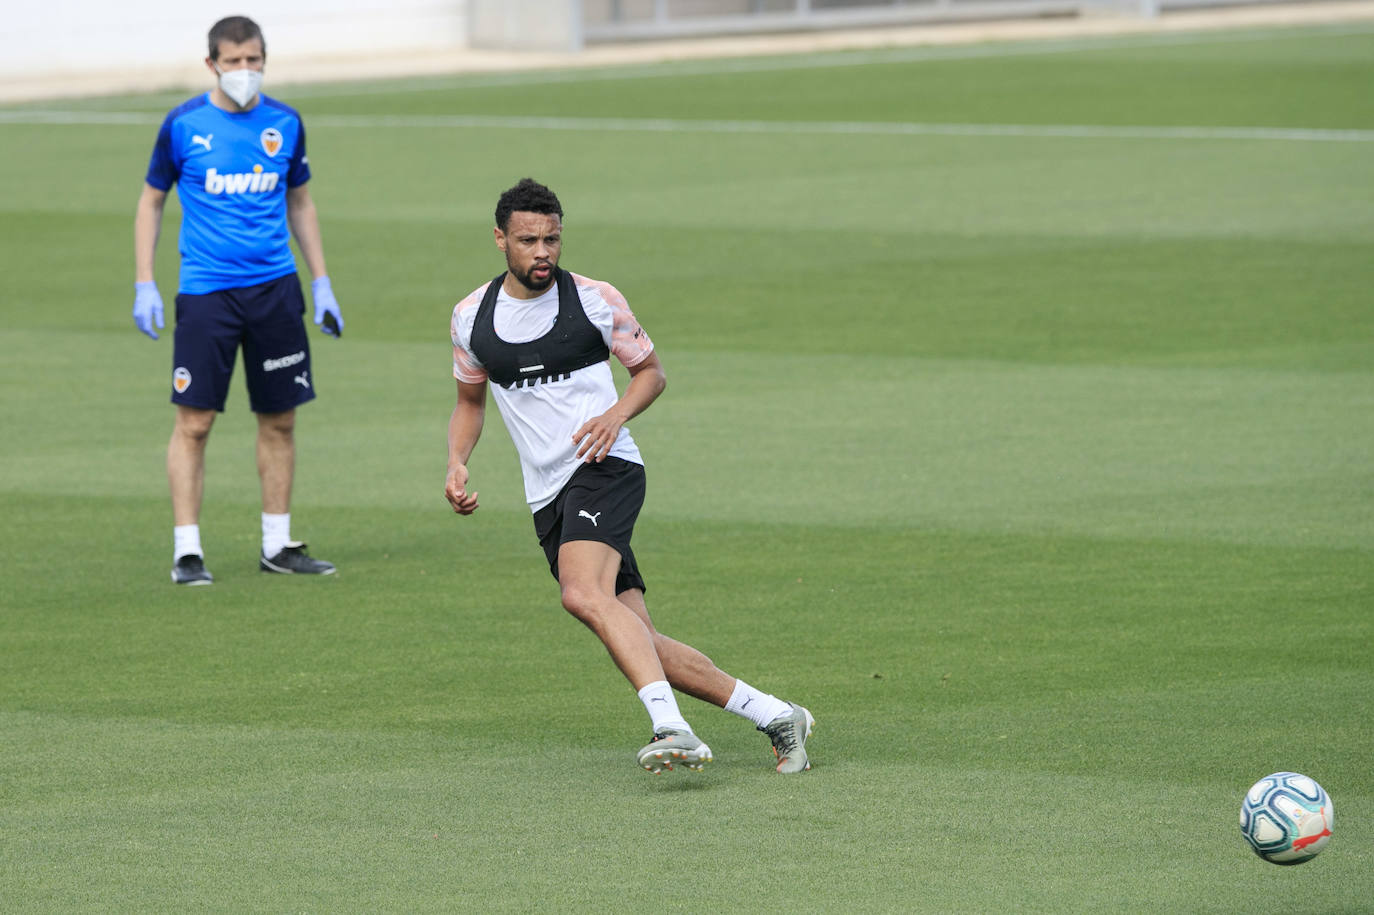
[(181, 379), (271, 141)]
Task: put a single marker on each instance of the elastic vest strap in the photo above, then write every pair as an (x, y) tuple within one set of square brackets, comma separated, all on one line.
[(572, 343)]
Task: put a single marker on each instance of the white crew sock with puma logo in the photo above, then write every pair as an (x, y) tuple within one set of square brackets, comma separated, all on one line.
[(661, 705), (760, 708)]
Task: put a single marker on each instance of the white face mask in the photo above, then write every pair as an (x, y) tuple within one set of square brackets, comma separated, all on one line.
[(240, 85)]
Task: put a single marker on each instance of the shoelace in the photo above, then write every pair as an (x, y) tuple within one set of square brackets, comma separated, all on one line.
[(784, 738)]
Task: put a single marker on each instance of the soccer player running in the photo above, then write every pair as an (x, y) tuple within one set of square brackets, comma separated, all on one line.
[(238, 160), (544, 336)]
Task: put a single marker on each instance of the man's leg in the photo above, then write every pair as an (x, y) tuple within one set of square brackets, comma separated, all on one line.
[(186, 462), (587, 571), (686, 668), (788, 726), (277, 472), (186, 479), (276, 460), (586, 579)]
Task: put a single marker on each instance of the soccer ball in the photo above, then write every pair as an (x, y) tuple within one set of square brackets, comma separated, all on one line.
[(1286, 818)]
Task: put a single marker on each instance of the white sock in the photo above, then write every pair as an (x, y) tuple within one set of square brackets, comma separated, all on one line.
[(661, 705), (276, 533), (186, 541), (760, 708)]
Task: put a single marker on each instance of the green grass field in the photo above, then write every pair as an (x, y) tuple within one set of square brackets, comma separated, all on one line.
[(1018, 423)]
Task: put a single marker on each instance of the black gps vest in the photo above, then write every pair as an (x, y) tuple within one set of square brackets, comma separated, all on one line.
[(572, 343)]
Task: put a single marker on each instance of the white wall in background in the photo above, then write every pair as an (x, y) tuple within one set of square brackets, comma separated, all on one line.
[(79, 37)]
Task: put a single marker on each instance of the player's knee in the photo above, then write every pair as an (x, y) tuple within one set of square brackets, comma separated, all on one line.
[(278, 423), (194, 424), (581, 601)]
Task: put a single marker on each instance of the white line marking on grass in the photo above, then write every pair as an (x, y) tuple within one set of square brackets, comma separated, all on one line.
[(847, 128), (39, 116), (679, 125), (820, 60), (753, 62)]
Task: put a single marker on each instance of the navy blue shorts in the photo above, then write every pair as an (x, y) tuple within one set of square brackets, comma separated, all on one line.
[(600, 502), (268, 321)]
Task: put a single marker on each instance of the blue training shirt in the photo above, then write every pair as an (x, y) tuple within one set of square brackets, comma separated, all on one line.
[(232, 170)]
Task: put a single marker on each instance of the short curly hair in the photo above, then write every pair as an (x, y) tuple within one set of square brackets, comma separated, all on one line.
[(529, 196)]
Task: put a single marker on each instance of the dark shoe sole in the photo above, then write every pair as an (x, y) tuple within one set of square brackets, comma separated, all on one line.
[(265, 566)]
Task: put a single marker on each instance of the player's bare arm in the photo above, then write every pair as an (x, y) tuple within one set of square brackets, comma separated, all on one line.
[(147, 228), (305, 227), (597, 435), (464, 428)]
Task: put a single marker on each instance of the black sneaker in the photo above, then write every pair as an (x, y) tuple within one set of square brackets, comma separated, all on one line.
[(190, 570), (292, 560)]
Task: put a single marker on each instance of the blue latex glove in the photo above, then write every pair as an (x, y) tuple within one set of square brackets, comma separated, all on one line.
[(147, 308), (326, 307)]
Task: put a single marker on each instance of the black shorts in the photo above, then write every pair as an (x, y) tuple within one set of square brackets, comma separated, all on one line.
[(267, 320), (600, 502)]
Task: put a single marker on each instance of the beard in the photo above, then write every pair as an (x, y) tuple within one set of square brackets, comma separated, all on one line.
[(527, 279)]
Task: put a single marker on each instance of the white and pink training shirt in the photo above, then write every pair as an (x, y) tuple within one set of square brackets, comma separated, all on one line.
[(542, 417)]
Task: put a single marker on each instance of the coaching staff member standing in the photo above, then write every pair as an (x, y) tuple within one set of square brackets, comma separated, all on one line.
[(238, 160), (544, 336)]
